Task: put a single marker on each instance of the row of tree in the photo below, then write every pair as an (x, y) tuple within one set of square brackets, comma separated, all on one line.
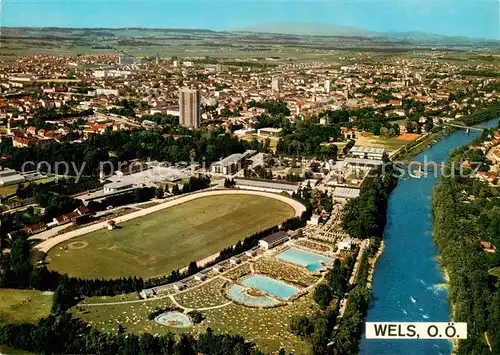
[(92, 157), (466, 212), (318, 329), (365, 216), (61, 334)]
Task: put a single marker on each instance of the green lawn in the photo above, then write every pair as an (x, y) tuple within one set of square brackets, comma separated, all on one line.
[(11, 351), (149, 204), (169, 239), (132, 316), (495, 271), (268, 328), (23, 306)]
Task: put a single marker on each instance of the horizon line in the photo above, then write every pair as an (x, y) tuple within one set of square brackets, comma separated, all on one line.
[(374, 33)]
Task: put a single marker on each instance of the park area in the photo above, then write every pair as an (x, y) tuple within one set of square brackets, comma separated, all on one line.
[(169, 239), (268, 328), (23, 306)]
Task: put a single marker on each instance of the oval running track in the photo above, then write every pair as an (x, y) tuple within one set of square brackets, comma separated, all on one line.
[(48, 244)]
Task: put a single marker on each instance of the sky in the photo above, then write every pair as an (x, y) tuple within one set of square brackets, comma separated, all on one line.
[(471, 18)]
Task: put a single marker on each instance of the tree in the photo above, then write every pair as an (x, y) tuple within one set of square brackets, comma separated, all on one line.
[(322, 295), (301, 326), (159, 193), (315, 167), (192, 268), (196, 316)]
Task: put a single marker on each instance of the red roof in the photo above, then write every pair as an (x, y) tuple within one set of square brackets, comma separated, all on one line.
[(487, 245), (35, 228)]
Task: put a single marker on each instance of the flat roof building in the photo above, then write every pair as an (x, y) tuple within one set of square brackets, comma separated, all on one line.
[(231, 164), (367, 152), (345, 193), (362, 162), (10, 177), (269, 132), (266, 186), (274, 239), (117, 186), (345, 244), (147, 293)]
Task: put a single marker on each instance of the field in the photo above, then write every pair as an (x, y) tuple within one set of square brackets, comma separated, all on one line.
[(169, 239), (23, 306), (409, 137), (268, 328), (365, 139)]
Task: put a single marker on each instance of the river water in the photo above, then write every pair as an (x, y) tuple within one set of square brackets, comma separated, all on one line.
[(408, 285)]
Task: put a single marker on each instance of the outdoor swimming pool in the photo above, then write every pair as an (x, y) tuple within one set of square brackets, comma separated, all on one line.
[(238, 294), (311, 261), (271, 286), (174, 319)]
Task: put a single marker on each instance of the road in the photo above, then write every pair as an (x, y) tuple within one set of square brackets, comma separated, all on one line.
[(49, 243)]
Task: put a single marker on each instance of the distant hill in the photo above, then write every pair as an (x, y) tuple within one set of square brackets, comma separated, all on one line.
[(315, 29), (309, 29)]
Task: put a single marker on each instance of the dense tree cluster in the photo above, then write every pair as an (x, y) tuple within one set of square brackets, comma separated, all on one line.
[(201, 145), (484, 113), (278, 121), (62, 334), (335, 286), (309, 139), (318, 330), (365, 216), (466, 212), (272, 107), (160, 119)]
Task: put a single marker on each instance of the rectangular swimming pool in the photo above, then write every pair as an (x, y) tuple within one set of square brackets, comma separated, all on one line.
[(271, 286), (311, 261)]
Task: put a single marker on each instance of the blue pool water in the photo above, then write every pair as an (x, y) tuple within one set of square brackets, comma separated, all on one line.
[(408, 284), (311, 261), (238, 294), (271, 286)]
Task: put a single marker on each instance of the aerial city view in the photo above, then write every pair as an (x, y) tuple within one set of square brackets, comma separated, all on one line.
[(233, 177)]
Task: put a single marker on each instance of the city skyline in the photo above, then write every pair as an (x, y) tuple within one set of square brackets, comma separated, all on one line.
[(450, 18)]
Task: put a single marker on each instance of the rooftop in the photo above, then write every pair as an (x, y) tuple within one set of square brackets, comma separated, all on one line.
[(346, 192), (360, 161), (367, 150), (275, 237), (267, 184)]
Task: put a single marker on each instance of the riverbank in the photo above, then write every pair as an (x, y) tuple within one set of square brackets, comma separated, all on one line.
[(429, 140), (407, 285), (471, 295), (446, 276), (373, 263)]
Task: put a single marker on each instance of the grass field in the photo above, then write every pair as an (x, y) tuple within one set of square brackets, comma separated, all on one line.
[(12, 351), (365, 139), (166, 240), (268, 328), (23, 306), (495, 271)]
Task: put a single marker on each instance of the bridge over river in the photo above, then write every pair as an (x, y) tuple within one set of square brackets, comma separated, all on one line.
[(467, 128)]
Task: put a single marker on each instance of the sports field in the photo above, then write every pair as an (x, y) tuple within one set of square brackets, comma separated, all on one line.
[(169, 239)]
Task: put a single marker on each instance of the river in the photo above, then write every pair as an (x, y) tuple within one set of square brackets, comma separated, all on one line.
[(408, 285)]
